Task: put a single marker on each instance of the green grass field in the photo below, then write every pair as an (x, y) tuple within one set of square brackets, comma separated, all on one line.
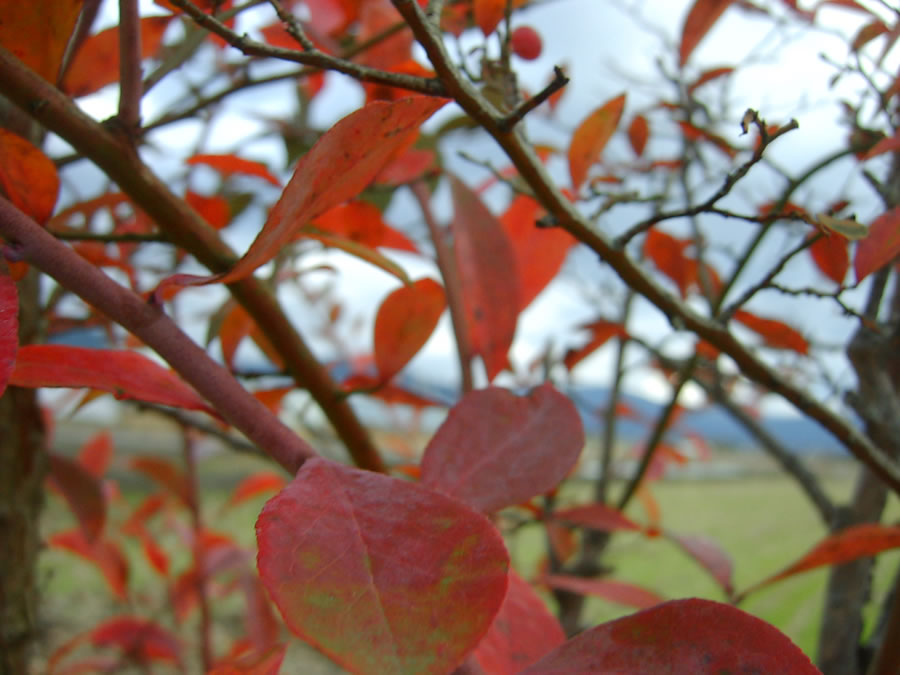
[(762, 522)]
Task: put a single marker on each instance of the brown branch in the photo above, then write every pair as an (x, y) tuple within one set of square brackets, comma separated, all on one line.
[(187, 229), (158, 331), (569, 218), (316, 58), (446, 263), (130, 85), (518, 114)]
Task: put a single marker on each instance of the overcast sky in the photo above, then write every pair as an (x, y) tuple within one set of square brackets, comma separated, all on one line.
[(608, 47)]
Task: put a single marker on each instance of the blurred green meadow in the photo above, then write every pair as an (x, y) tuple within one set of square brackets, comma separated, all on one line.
[(759, 517)]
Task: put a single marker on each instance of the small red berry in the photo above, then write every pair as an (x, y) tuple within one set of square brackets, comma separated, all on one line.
[(525, 43)]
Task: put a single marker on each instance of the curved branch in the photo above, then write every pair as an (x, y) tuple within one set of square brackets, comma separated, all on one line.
[(187, 229), (568, 217)]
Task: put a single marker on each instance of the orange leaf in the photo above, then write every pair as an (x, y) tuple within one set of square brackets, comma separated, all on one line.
[(37, 32), (105, 554), (488, 14), (830, 255), (337, 168), (165, 474), (215, 209), (858, 541), (702, 16), (257, 484), (591, 137), (880, 246), (126, 374), (406, 319), (601, 332), (618, 592), (596, 516), (487, 274), (228, 164), (539, 253), (638, 133), (28, 176), (776, 333), (709, 76), (96, 64), (693, 133), (667, 253)]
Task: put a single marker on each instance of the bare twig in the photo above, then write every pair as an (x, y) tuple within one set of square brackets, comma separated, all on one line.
[(130, 85)]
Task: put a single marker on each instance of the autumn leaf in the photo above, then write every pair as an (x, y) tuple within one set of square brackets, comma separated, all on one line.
[(523, 631), (125, 374), (96, 63), (596, 516), (710, 555), (683, 636), (37, 32), (490, 430), (404, 322), (255, 485), (230, 164), (104, 554), (852, 543), (400, 555), (701, 17), (775, 333), (830, 255), (591, 137), (539, 252), (881, 245), (638, 133), (83, 493), (28, 177), (619, 592), (667, 253), (488, 14), (488, 276), (601, 332), (337, 168)]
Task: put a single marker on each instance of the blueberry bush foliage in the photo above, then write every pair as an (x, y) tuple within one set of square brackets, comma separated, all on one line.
[(382, 559)]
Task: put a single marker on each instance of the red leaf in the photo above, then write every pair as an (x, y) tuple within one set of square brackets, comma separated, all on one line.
[(858, 541), (361, 222), (127, 375), (830, 255), (523, 631), (155, 555), (382, 575), (255, 485), (229, 164), (96, 453), (684, 636), (487, 276), (165, 474), (702, 16), (103, 553), (267, 662), (96, 63), (389, 393), (215, 209), (149, 507), (709, 76), (775, 333), (591, 137), (405, 320), (28, 176), (9, 328), (887, 144), (337, 168), (601, 332), (539, 253), (532, 441), (407, 167), (618, 592), (141, 640), (82, 491), (37, 32), (880, 246), (710, 556), (263, 626), (694, 133), (488, 14), (638, 133), (597, 517), (667, 253)]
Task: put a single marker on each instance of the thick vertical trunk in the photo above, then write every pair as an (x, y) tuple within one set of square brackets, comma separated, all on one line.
[(23, 466)]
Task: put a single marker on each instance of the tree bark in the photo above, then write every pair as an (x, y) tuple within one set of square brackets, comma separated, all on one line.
[(23, 467)]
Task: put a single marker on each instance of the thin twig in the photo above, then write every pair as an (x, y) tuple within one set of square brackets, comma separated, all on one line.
[(516, 115)]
